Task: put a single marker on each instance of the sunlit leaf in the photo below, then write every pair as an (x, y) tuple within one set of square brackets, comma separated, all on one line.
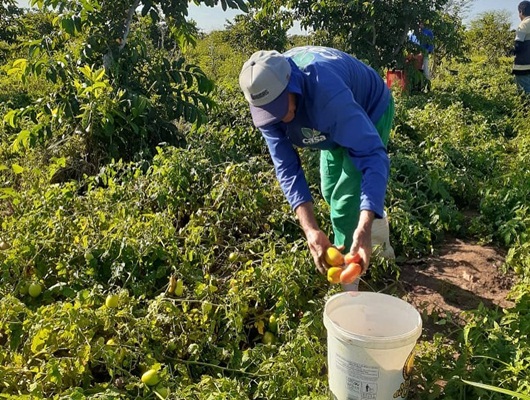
[(498, 390), (17, 169)]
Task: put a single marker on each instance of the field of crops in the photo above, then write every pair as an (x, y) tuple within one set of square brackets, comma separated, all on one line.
[(147, 252)]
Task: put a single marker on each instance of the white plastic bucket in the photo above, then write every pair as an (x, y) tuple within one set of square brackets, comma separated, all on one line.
[(381, 238), (371, 337)]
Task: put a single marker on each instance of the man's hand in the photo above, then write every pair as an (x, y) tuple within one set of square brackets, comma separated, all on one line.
[(316, 239), (318, 244), (362, 238)]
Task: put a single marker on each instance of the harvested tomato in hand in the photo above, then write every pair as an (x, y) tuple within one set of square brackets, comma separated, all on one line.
[(350, 273), (352, 258), (334, 274), (334, 257)]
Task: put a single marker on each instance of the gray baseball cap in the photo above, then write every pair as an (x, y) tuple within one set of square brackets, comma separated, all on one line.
[(263, 80)]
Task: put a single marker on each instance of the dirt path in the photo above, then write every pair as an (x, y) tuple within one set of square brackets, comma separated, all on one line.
[(458, 278)]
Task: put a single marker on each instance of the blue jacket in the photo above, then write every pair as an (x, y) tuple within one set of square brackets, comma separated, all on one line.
[(340, 100), (427, 39)]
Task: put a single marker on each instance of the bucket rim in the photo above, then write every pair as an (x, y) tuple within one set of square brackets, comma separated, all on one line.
[(375, 341)]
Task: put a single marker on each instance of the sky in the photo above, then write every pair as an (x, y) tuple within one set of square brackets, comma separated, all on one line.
[(209, 18), (214, 18)]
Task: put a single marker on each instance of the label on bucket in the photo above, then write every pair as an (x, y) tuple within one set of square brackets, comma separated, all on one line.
[(357, 373), (361, 381)]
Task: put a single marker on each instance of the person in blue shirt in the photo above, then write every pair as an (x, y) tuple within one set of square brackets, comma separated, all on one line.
[(323, 98), (426, 44)]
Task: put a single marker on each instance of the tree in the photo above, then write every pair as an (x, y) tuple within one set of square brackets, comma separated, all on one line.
[(122, 80), (375, 31), (8, 20), (217, 58), (490, 35), (37, 24), (254, 31), (9, 26)]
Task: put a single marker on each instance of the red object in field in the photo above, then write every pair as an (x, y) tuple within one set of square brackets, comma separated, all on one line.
[(416, 59), (396, 77)]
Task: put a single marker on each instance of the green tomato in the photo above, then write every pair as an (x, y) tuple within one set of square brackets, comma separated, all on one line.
[(34, 289), (233, 257), (112, 301), (269, 338), (273, 323), (179, 289), (150, 377)]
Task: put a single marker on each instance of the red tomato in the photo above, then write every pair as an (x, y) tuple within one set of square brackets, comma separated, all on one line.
[(350, 273), (352, 258)]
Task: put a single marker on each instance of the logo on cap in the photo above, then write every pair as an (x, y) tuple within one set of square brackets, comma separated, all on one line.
[(259, 95)]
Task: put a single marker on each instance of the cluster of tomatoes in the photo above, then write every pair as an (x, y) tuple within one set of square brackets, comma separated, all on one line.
[(343, 269)]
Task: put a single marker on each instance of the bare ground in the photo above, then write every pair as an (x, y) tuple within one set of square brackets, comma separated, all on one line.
[(457, 278)]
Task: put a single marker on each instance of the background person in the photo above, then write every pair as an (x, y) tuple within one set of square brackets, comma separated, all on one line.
[(426, 43), (521, 50), (323, 98)]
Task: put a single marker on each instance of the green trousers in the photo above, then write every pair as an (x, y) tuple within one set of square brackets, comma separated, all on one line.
[(341, 184)]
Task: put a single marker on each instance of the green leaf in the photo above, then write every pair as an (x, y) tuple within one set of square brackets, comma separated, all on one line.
[(87, 6), (68, 25), (154, 15), (9, 118), (17, 169), (146, 8), (39, 341), (21, 140), (16, 335), (86, 71), (21, 63), (100, 75), (497, 389), (99, 85), (242, 5), (34, 48), (175, 75), (51, 75), (8, 192)]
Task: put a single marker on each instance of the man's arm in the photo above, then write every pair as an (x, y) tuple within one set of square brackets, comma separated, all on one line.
[(293, 183), (317, 240), (362, 237), (520, 36), (288, 166)]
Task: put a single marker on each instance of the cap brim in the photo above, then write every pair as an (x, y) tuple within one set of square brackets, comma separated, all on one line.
[(272, 112)]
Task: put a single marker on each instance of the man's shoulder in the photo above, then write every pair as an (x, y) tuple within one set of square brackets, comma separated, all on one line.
[(524, 25), (308, 55)]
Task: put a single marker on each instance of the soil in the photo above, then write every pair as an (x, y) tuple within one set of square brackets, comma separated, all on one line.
[(457, 278)]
